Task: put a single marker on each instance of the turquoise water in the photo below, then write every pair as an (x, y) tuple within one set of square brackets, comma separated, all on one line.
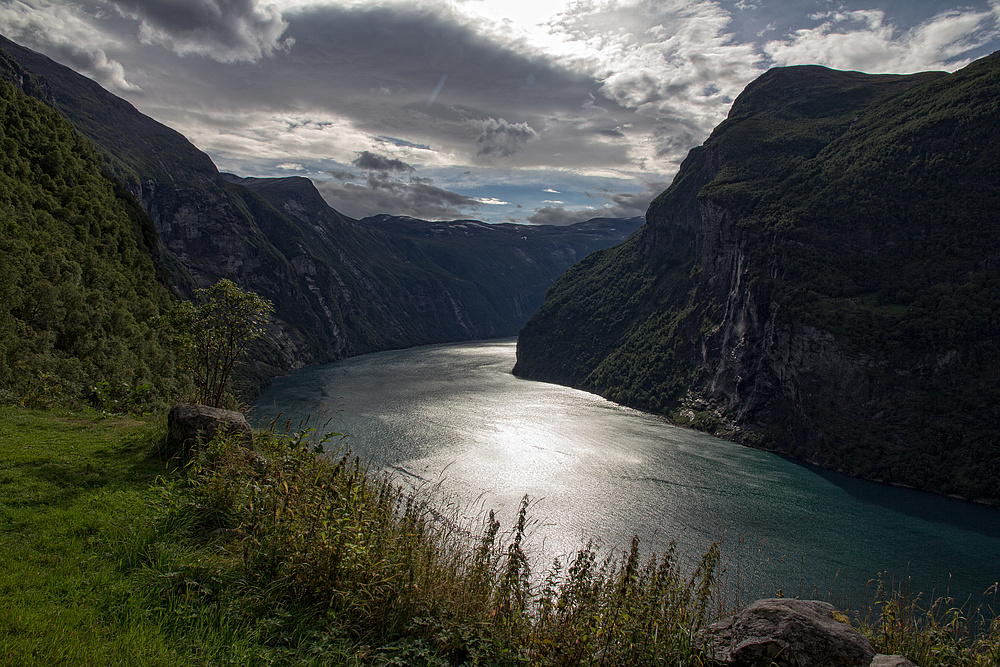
[(451, 420)]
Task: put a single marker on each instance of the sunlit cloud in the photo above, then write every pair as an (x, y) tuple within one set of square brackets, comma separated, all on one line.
[(866, 41), (67, 35)]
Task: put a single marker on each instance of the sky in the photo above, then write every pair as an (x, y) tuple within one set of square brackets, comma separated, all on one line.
[(530, 111)]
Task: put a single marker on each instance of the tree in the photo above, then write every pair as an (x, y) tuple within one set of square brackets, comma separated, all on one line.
[(220, 328)]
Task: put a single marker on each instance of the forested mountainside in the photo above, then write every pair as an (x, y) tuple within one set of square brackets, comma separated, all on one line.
[(80, 303), (340, 287), (822, 279)]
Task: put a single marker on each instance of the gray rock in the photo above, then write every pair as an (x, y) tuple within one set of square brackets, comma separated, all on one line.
[(189, 424), (891, 661), (789, 633)]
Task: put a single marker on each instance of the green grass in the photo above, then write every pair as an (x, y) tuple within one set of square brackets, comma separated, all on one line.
[(65, 480), (108, 555)]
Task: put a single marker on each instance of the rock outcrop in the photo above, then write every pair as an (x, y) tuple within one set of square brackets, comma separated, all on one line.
[(789, 633), (891, 661), (189, 424)]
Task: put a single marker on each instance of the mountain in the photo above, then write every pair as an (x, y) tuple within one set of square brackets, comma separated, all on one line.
[(340, 286), (821, 279), (491, 277), (81, 305)]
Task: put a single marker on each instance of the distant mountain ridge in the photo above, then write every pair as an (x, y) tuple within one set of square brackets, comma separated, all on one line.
[(340, 286), (821, 279)]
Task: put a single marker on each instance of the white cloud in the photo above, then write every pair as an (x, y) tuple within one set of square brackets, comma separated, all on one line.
[(864, 40), (673, 62), (67, 35), (250, 142)]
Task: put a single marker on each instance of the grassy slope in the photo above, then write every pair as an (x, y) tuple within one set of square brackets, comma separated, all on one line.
[(67, 480)]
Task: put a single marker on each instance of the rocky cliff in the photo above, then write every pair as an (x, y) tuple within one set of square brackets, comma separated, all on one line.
[(821, 279)]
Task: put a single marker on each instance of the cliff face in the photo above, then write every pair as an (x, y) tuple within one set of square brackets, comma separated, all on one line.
[(340, 286), (821, 279)]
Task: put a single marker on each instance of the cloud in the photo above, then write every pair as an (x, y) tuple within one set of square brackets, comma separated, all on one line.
[(673, 63), (614, 205), (393, 186), (557, 215), (864, 40), (502, 139), (402, 142), (607, 90), (228, 31), (372, 162), (67, 36), (371, 68)]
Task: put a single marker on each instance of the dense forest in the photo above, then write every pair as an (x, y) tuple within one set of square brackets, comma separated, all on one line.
[(82, 312), (822, 279)]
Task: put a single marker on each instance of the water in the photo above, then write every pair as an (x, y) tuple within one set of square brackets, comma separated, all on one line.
[(451, 419)]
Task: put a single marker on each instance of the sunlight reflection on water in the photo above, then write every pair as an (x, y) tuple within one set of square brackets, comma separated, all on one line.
[(452, 418)]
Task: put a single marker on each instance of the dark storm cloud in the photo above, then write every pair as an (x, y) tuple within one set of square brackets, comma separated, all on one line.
[(502, 139), (225, 30), (380, 66), (558, 215), (386, 192), (371, 162), (342, 175)]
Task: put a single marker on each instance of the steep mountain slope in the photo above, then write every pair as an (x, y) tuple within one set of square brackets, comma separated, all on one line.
[(339, 287), (502, 270), (822, 279), (79, 298)]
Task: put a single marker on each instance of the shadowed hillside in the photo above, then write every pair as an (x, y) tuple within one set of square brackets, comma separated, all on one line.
[(821, 279)]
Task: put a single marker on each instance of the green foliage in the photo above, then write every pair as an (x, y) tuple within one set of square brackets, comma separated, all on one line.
[(944, 632), (79, 301), (315, 550), (216, 332)]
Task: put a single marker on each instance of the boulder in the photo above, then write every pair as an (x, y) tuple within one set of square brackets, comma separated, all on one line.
[(189, 424), (789, 633), (891, 661)]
